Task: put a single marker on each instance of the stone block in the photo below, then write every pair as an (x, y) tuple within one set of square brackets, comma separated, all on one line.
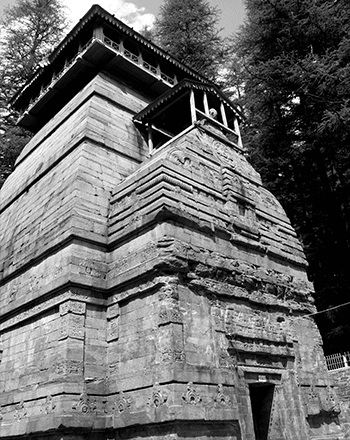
[(157, 298)]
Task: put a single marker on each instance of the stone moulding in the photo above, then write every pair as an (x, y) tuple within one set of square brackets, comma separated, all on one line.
[(49, 405), (84, 404), (122, 403), (158, 397), (222, 399), (47, 304), (20, 411), (149, 293), (191, 396)]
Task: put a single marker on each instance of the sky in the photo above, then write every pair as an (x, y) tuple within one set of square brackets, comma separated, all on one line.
[(140, 13)]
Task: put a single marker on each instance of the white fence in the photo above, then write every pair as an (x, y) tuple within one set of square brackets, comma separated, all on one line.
[(338, 361)]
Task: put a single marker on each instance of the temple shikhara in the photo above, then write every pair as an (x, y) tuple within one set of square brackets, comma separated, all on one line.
[(150, 286)]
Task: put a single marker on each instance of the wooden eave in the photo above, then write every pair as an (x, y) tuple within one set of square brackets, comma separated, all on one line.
[(70, 67)]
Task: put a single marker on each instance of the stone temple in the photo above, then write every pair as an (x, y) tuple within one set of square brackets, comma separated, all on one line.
[(150, 286)]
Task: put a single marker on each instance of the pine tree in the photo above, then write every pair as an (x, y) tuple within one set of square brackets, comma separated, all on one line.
[(231, 77), (297, 100), (31, 28), (187, 29)]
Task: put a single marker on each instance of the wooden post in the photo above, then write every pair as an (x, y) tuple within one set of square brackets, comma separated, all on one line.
[(150, 139), (193, 107), (205, 102), (159, 72), (223, 115), (121, 46), (139, 57), (98, 33), (238, 132)]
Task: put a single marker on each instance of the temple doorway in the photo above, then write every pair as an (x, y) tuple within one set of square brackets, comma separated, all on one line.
[(261, 398)]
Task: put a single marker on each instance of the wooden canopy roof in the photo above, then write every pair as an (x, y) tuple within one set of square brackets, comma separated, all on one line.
[(187, 103), (182, 88)]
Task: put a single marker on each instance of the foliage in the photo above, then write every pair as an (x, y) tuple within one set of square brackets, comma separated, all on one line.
[(231, 76), (12, 144), (187, 29), (296, 57), (29, 31), (147, 32)]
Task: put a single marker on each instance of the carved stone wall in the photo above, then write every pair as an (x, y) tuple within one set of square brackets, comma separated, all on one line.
[(53, 261), (152, 298), (341, 380), (229, 309)]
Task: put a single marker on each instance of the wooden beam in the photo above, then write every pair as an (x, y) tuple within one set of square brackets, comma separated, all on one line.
[(216, 122), (166, 133)]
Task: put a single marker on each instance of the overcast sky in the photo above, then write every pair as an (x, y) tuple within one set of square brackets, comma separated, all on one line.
[(141, 12)]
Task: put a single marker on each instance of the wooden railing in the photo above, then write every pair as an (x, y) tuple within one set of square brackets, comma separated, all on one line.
[(338, 361), (137, 59), (119, 48)]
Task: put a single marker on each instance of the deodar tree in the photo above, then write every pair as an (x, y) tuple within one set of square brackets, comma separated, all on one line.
[(30, 29), (187, 29), (296, 57)]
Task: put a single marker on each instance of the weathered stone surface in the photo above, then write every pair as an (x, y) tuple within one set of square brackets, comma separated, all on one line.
[(160, 297), (341, 407)]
